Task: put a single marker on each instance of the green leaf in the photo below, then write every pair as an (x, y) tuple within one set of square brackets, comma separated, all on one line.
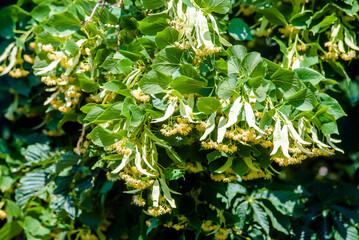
[(153, 24), (238, 51), (287, 81), (71, 46), (168, 60), (208, 105), (234, 65), (239, 166), (64, 23), (279, 222), (303, 100), (174, 174), (87, 84), (103, 137), (124, 65), (34, 227), (7, 25), (274, 16), (226, 88), (241, 212), (260, 216), (227, 165), (150, 4), (239, 30), (10, 230), (40, 12), (162, 143), (154, 82), (260, 87), (186, 85), (309, 75), (299, 19), (334, 107), (324, 24), (166, 37), (66, 160), (252, 64), (218, 6), (39, 153), (32, 184)]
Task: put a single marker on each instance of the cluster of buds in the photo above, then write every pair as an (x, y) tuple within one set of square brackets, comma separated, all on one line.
[(18, 73), (246, 9), (201, 127), (120, 148), (255, 175), (176, 226), (66, 62), (52, 133), (264, 33), (63, 80), (219, 146), (207, 50), (85, 67), (2, 214), (348, 18), (182, 127), (85, 51), (222, 234), (47, 48), (228, 176), (176, 24), (158, 211), (316, 152), (183, 46), (192, 168), (284, 161), (28, 59), (243, 135), (209, 226), (140, 96), (138, 200), (32, 45), (348, 56), (49, 81), (136, 183), (302, 47), (287, 30), (111, 25), (182, 223)]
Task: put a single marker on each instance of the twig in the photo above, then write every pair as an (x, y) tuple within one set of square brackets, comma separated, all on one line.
[(104, 4), (93, 13)]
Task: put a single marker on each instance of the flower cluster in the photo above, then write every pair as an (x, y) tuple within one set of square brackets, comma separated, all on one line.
[(182, 223), (160, 210), (207, 50), (134, 182), (219, 146), (209, 226), (222, 234), (138, 200), (255, 175), (18, 73), (192, 168), (201, 127), (228, 176), (140, 96), (120, 148), (288, 29), (182, 127), (302, 47)]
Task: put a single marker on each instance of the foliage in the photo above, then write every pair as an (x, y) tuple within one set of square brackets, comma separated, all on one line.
[(140, 119)]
